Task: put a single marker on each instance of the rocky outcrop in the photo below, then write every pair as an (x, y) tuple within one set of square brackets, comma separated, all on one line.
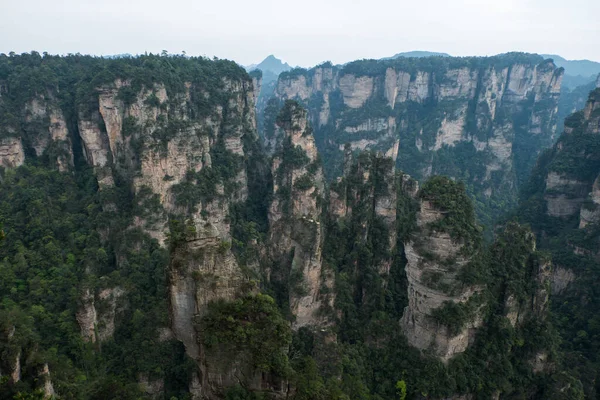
[(571, 183), (41, 132), (202, 270), (589, 213), (95, 325), (109, 300), (432, 263), (295, 230), (15, 375), (493, 109), (561, 278), (46, 131), (435, 257), (564, 196), (48, 387), (11, 152), (363, 204), (154, 143), (87, 317), (178, 149)]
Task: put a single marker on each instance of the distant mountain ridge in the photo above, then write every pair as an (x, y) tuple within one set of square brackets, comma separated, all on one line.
[(417, 54), (576, 67), (271, 67)]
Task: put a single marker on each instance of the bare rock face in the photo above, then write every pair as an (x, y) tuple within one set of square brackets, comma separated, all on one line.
[(109, 298), (11, 152), (257, 85), (561, 278), (87, 317), (356, 90), (572, 191), (564, 196), (48, 387), (16, 370), (46, 130), (94, 325), (296, 234), (590, 209)]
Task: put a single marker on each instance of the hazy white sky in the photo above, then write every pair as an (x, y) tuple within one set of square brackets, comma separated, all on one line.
[(302, 32)]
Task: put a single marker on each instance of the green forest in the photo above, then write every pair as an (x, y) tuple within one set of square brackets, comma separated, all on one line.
[(73, 248)]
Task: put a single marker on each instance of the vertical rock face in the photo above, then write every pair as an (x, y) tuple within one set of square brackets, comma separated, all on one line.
[(256, 76), (519, 307), (87, 317), (362, 218), (43, 129), (164, 151), (98, 326), (571, 172), (435, 256), (567, 181), (11, 152), (48, 387), (589, 212), (202, 270), (179, 149), (295, 231), (491, 112)]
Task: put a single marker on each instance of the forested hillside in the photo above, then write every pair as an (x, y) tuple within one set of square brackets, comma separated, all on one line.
[(560, 203), (156, 245)]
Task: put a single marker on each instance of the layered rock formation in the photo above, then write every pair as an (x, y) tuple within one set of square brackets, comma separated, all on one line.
[(567, 180), (435, 256), (11, 152), (178, 148), (570, 186), (42, 130), (561, 204), (156, 143), (478, 119), (295, 230), (99, 326), (363, 229)]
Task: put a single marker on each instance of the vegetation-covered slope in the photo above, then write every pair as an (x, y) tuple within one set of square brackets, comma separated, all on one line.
[(560, 203), (151, 249)]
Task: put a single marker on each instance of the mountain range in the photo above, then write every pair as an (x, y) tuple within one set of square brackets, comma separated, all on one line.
[(413, 228)]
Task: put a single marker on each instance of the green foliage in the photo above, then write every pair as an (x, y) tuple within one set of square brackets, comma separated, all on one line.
[(76, 79), (51, 253), (197, 187), (304, 182), (453, 315), (458, 218), (401, 389), (252, 324), (239, 393), (289, 113)]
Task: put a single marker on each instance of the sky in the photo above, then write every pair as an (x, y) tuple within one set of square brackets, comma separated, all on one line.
[(302, 33)]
